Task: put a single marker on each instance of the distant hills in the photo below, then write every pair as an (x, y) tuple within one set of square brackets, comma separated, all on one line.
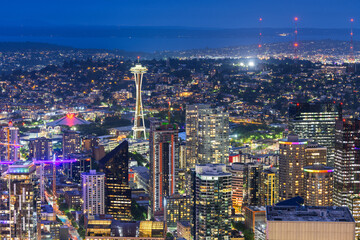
[(308, 47)]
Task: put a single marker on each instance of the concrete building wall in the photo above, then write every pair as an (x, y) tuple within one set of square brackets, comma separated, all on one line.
[(284, 230)]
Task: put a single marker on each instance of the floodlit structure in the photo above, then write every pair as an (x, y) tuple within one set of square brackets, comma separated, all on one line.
[(139, 122)]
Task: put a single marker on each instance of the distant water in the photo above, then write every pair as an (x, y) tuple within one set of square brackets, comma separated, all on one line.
[(152, 39)]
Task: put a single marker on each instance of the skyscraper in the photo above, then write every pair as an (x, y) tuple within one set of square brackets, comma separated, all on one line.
[(93, 192), (318, 180), (347, 165), (207, 135), (139, 123), (347, 161), (164, 160), (237, 171), (269, 187), (40, 148), (117, 190), (212, 202), (316, 121), (24, 202), (291, 164), (177, 208), (315, 154), (253, 183), (10, 138), (71, 143)]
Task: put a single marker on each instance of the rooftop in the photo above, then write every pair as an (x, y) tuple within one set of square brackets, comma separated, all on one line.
[(308, 214), (212, 170), (318, 168), (69, 120)]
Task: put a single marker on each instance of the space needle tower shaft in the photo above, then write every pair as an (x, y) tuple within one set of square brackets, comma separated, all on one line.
[(139, 122)]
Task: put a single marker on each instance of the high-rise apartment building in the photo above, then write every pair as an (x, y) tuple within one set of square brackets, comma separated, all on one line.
[(212, 189), (177, 208), (318, 180), (117, 190), (40, 149), (269, 187), (164, 160), (10, 138), (237, 171), (291, 164), (207, 135), (347, 164), (316, 121), (23, 213), (71, 143), (315, 154), (253, 181), (93, 192)]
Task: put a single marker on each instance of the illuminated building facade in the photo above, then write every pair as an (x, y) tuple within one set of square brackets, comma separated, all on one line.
[(164, 160), (316, 121), (184, 230), (212, 202), (318, 180), (93, 192), (177, 208), (40, 149), (24, 205), (253, 181), (100, 228), (315, 154), (207, 135), (117, 190), (139, 122), (71, 143), (237, 171), (9, 148), (347, 163), (269, 187), (291, 164)]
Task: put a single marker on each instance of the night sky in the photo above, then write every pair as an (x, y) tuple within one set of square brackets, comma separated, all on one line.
[(187, 13)]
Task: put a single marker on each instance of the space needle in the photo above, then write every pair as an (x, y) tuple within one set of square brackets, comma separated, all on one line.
[(139, 122)]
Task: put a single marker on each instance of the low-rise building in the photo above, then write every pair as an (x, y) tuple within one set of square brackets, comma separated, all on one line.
[(309, 223)]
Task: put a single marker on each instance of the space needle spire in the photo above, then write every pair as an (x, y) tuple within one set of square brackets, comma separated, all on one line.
[(139, 122)]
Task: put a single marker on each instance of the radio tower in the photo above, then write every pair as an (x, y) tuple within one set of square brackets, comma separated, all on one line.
[(260, 35), (139, 122), (352, 58), (296, 44)]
